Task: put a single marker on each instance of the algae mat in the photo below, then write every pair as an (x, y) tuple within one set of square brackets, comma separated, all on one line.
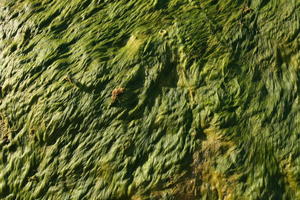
[(159, 99)]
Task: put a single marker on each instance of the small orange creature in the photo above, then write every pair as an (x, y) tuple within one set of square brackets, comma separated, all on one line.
[(116, 93)]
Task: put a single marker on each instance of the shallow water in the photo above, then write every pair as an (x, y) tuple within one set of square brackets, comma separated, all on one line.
[(210, 107)]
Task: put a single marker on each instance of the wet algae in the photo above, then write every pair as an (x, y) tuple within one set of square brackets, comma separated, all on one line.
[(205, 103)]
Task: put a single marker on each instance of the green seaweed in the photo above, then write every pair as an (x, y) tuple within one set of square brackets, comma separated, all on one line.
[(210, 108)]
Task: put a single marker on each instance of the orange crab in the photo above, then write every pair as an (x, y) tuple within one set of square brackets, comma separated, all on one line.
[(116, 93)]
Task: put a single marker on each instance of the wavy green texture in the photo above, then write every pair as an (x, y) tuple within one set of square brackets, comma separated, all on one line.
[(210, 108)]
